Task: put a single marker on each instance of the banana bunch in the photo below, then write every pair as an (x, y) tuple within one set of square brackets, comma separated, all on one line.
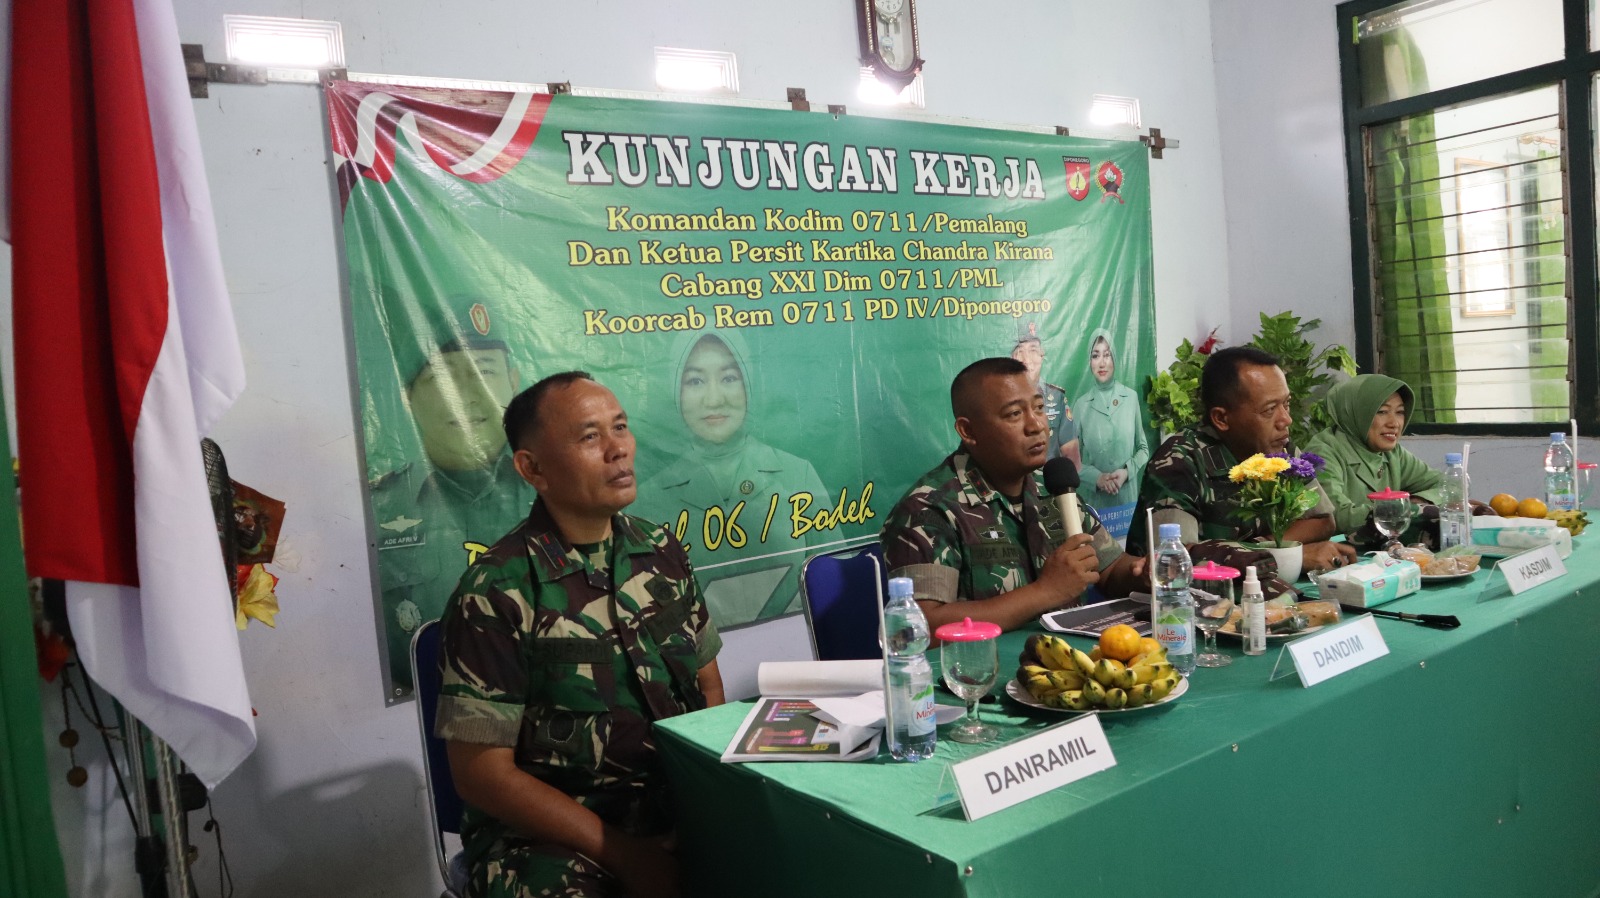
[(1064, 677), (1572, 521)]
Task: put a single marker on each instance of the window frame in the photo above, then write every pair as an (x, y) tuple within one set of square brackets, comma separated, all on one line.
[(1574, 75)]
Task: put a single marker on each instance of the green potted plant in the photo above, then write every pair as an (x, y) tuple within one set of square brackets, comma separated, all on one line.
[(1174, 394)]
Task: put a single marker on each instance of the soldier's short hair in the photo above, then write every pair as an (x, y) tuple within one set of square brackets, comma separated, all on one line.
[(966, 383), (521, 419), (1219, 379)]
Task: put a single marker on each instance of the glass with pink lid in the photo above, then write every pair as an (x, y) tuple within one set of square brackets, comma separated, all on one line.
[(1213, 606), (971, 664), (1391, 512)]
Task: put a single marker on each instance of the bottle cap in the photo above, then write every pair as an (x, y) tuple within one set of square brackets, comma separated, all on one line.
[(1390, 492), (1250, 576), (900, 587), (1558, 437), (1169, 531), (1452, 458), (1213, 571), (968, 630)]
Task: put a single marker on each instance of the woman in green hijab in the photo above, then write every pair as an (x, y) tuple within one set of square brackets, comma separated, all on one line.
[(1363, 448), (1111, 430)]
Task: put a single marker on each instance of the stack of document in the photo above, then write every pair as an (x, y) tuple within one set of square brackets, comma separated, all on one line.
[(813, 711)]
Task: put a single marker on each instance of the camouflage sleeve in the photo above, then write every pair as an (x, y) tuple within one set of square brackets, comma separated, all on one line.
[(485, 674), (1171, 487), (707, 641), (920, 542), (1106, 549)]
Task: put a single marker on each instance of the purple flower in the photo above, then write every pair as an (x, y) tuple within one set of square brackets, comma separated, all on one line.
[(1316, 461), (1302, 469)]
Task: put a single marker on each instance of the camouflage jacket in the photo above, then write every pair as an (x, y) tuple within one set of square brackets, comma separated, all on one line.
[(568, 656), (957, 538)]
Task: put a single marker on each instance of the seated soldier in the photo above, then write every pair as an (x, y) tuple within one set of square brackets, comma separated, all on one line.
[(562, 644), (1246, 399), (978, 535)]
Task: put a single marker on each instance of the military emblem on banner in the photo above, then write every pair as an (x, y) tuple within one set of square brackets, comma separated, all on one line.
[(479, 315), (1078, 168), (1109, 177)]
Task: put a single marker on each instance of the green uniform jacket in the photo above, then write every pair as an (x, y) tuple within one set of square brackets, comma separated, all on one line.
[(424, 520), (568, 656), (957, 538), (1111, 428), (1063, 429), (1353, 469)]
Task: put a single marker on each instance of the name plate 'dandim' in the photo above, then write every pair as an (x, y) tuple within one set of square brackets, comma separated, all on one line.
[(1337, 649), (1526, 570), (1033, 766)]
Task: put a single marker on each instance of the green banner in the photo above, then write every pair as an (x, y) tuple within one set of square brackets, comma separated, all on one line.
[(779, 300)]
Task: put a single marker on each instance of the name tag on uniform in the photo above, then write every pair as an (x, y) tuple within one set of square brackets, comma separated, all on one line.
[(1033, 766), (1337, 649), (995, 547)]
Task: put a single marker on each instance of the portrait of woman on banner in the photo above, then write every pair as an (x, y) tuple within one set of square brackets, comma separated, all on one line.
[(723, 465), (1112, 434)]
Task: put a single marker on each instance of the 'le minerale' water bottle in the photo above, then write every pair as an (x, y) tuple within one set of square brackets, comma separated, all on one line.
[(1560, 492), (1174, 612), (1455, 513), (910, 699)]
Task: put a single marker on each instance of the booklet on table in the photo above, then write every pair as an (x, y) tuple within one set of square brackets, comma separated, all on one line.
[(813, 711)]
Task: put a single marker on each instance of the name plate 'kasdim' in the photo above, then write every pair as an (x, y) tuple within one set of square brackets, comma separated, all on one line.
[(1526, 570), (1033, 766), (1338, 649)]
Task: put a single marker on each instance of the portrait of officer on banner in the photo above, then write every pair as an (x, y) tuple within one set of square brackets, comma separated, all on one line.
[(726, 480), (457, 374), (1029, 350)]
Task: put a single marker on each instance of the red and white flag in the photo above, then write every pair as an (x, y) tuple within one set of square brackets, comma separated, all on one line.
[(126, 355)]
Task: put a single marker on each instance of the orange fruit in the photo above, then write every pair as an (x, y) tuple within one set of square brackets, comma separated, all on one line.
[(1504, 504), (1531, 508), (1120, 642), (1149, 644)]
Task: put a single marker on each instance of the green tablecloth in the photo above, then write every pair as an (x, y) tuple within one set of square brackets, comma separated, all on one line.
[(1466, 762)]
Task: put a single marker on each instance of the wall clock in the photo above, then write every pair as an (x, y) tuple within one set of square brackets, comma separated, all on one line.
[(889, 45)]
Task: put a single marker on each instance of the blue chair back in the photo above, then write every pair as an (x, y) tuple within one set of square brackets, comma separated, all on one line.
[(442, 797), (843, 593)]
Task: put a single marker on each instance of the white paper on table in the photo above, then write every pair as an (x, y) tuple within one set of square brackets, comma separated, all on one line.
[(811, 679), (864, 710)]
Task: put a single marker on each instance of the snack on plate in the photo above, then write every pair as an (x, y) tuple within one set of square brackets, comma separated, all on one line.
[(1319, 613), (1282, 617), (1452, 562)]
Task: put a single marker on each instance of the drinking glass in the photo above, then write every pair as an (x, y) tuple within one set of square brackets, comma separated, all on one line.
[(1212, 580), (971, 664), (1390, 515)]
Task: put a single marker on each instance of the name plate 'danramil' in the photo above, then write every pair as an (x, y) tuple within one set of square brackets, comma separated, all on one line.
[(1526, 570), (1335, 650), (1033, 766)]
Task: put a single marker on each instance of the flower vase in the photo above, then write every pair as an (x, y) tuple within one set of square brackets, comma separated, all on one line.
[(1287, 557)]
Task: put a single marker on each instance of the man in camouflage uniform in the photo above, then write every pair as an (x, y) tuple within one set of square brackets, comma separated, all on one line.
[(1063, 429), (458, 377), (978, 535), (562, 644), (1247, 411)]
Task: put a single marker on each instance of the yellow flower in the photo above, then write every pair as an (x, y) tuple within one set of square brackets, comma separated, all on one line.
[(257, 599), (1258, 467)]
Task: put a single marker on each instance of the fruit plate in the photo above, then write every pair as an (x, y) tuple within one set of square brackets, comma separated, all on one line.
[(1019, 694)]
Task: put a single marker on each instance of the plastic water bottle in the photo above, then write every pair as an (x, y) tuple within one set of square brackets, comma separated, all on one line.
[(1174, 611), (1455, 514), (1255, 614), (1560, 490), (910, 699)]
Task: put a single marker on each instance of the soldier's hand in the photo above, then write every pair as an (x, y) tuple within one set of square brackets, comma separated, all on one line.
[(1326, 556), (645, 866), (1071, 568)]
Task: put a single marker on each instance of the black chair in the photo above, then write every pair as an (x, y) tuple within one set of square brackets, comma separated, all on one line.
[(443, 801), (843, 594)]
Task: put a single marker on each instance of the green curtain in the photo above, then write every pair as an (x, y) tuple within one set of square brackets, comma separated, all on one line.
[(1408, 227), (30, 860)]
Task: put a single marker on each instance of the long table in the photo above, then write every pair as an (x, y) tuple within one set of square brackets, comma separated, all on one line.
[(1466, 762)]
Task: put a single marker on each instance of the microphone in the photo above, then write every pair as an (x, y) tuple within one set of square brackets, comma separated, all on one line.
[(1061, 481)]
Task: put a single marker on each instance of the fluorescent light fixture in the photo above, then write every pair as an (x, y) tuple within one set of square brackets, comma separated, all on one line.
[(697, 71), (875, 93), (269, 41), (1108, 110)]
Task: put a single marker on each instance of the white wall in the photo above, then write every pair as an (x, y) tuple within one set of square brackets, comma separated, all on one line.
[(332, 801)]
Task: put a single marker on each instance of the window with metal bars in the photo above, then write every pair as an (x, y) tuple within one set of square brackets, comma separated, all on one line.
[(1469, 140)]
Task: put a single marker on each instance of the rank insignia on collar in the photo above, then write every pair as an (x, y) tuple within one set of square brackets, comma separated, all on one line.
[(992, 533)]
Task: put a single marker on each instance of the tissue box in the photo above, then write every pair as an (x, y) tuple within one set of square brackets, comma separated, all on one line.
[(1375, 580), (1520, 533)]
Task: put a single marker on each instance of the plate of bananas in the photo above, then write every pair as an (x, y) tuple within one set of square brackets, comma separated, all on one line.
[(1055, 676)]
